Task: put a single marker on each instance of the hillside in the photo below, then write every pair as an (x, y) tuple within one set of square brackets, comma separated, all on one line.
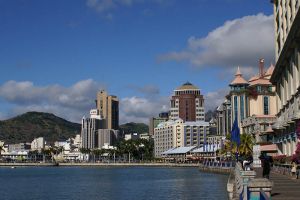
[(26, 127), (134, 128)]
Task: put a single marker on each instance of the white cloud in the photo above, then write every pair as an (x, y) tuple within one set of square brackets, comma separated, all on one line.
[(240, 41), (75, 101), (213, 99), (137, 109), (68, 102)]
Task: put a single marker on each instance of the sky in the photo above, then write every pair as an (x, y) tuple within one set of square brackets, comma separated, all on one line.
[(56, 54)]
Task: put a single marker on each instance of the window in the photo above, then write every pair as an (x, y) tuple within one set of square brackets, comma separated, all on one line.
[(270, 88), (242, 107), (266, 105), (246, 107), (235, 106), (258, 88)]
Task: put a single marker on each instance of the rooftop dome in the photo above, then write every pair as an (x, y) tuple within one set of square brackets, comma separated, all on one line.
[(187, 86)]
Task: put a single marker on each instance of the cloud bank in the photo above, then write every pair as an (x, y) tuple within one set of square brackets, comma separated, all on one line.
[(75, 101), (68, 102), (213, 99), (240, 41), (137, 109)]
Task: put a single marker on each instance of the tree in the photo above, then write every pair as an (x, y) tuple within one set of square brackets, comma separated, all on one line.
[(98, 152), (85, 151), (246, 146), (1, 149)]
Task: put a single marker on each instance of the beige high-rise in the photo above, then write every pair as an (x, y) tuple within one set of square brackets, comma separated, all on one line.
[(108, 106)]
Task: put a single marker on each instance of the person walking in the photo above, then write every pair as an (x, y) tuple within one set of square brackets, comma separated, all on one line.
[(266, 162), (294, 170)]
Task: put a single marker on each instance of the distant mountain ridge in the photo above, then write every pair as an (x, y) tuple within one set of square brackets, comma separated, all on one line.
[(134, 128), (26, 127), (30, 125)]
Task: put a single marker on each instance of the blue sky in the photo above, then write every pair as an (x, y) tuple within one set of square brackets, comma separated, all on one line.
[(139, 50)]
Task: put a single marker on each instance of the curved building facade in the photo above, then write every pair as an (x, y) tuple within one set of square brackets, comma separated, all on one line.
[(187, 103)]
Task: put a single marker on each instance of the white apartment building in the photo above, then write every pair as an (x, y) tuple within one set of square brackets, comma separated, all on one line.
[(177, 133), (38, 144), (286, 75)]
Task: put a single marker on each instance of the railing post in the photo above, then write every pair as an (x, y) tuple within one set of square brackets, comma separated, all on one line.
[(242, 178), (258, 186)]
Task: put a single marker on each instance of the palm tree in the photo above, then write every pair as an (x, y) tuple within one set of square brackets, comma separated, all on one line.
[(246, 146), (98, 152), (85, 151)]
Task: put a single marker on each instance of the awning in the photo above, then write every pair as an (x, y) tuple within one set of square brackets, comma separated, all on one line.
[(269, 148)]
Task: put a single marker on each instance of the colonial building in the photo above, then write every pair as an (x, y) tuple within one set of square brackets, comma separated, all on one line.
[(286, 75), (239, 98), (187, 103), (252, 103), (262, 104), (177, 133)]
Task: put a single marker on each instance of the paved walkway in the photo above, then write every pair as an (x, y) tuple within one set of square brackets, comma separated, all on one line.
[(285, 188)]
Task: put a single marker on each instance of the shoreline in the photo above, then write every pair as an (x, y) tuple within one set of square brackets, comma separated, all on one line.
[(99, 165)]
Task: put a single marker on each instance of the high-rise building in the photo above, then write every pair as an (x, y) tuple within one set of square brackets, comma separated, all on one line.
[(93, 133), (107, 137), (187, 103), (154, 121), (224, 118), (286, 75), (177, 133), (108, 107), (89, 130)]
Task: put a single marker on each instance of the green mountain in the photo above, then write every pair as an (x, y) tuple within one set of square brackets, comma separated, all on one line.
[(134, 128), (26, 127)]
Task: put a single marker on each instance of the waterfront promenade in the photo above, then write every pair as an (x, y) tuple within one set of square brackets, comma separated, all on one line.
[(284, 187)]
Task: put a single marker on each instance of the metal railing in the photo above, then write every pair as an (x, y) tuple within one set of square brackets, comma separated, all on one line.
[(221, 164), (285, 169)]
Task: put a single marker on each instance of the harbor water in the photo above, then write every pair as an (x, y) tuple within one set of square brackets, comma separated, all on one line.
[(94, 183)]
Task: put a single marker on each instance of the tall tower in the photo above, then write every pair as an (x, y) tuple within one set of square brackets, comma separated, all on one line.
[(89, 130), (187, 103), (239, 98), (108, 107)]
